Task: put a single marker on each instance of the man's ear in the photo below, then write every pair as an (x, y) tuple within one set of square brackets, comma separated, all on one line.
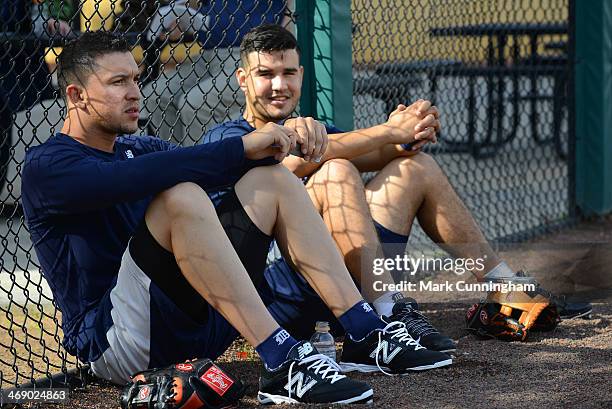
[(241, 76), (76, 96)]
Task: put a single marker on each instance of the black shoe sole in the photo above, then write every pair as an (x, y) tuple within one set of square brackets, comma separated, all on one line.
[(351, 366), (582, 314), (449, 349), (271, 399)]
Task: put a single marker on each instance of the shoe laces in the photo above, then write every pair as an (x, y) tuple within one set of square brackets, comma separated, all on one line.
[(415, 321), (321, 365), (396, 330)]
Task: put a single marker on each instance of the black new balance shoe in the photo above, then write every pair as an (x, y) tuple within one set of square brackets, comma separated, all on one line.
[(390, 350), (309, 377), (419, 327)]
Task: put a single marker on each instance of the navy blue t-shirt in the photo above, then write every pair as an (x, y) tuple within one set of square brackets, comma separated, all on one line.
[(239, 128), (82, 205)]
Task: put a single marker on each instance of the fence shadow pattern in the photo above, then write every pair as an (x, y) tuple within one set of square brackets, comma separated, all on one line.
[(499, 73), (497, 70)]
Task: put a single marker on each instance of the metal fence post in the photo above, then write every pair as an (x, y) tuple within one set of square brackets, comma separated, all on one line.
[(325, 36), (593, 90)]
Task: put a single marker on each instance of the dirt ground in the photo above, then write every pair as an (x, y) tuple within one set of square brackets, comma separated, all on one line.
[(570, 367)]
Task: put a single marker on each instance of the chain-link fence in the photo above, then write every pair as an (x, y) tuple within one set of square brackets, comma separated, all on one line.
[(497, 70)]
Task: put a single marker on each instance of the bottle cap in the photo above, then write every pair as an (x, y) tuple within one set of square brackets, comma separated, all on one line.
[(322, 326)]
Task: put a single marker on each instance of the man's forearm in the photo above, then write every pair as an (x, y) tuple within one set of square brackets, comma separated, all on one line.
[(347, 145), (379, 158)]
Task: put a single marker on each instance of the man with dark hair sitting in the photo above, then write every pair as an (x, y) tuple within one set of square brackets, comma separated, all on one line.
[(148, 271), (409, 184)]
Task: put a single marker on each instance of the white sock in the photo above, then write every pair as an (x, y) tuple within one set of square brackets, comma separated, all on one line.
[(384, 303), (502, 270)]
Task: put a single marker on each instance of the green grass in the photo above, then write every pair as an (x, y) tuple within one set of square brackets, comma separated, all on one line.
[(30, 344)]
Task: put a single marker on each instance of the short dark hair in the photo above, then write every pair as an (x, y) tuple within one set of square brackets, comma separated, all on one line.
[(266, 38), (78, 58)]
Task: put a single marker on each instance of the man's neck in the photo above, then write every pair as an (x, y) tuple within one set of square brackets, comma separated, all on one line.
[(254, 121), (91, 136)]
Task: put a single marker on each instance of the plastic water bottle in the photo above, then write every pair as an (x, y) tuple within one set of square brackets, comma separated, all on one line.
[(323, 340)]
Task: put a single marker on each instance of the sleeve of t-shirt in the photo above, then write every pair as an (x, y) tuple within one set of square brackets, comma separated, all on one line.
[(224, 131), (68, 181), (231, 129), (156, 144), (331, 129)]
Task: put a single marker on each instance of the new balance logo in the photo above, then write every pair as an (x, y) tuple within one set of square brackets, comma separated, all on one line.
[(298, 381), (129, 154), (305, 349), (281, 337), (366, 307), (384, 348)]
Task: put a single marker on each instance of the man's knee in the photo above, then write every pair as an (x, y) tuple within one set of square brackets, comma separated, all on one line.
[(422, 167), (276, 176), (334, 181), (338, 170), (184, 199)]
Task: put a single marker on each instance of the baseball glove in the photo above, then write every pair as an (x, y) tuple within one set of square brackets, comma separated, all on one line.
[(511, 316), (192, 384)]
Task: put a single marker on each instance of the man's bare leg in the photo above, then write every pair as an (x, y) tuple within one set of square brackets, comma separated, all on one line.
[(337, 192), (304, 240), (417, 187), (280, 206), (183, 220)]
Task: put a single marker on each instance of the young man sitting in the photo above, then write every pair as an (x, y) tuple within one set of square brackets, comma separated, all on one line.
[(409, 184)]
